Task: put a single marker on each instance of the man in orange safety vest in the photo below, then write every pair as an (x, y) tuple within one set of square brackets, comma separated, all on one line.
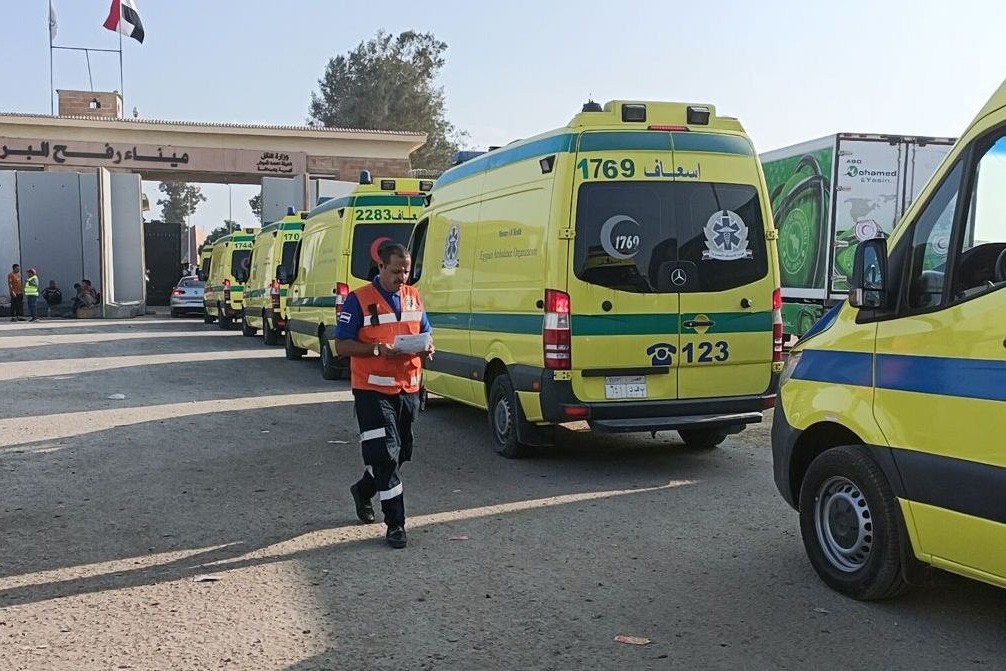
[(380, 328)]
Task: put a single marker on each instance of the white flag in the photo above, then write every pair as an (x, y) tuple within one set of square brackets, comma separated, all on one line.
[(52, 22)]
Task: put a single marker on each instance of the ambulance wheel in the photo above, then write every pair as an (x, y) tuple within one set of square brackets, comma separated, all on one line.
[(504, 414), (330, 368), (269, 334), (852, 526), (247, 330), (223, 321), (703, 439), (292, 351), (208, 318)]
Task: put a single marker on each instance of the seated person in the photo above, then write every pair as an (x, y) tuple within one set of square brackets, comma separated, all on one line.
[(83, 299), (52, 297)]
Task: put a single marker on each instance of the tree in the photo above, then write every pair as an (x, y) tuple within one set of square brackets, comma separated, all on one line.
[(255, 203), (220, 231), (181, 202), (387, 83)]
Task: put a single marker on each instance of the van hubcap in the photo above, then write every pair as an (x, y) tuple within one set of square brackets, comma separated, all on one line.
[(844, 524), (501, 419)]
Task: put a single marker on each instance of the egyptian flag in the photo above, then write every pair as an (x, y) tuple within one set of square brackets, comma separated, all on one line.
[(123, 18)]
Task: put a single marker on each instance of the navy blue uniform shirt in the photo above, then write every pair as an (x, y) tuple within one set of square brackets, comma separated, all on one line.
[(351, 317)]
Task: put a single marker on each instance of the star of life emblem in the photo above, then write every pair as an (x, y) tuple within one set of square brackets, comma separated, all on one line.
[(726, 237)]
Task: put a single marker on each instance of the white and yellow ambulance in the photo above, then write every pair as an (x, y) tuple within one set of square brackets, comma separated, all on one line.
[(338, 253), (888, 438), (621, 270), (264, 295), (230, 262)]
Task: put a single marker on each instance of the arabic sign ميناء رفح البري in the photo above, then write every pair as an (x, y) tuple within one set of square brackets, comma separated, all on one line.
[(150, 157)]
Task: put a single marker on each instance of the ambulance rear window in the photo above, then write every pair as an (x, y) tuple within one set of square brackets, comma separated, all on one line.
[(631, 236), (367, 239)]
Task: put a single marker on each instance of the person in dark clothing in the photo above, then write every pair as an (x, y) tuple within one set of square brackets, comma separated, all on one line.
[(52, 297)]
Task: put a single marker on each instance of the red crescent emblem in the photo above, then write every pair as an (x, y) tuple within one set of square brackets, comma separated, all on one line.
[(375, 245)]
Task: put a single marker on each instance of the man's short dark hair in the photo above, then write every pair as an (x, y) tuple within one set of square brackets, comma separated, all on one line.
[(15, 266), (87, 282), (389, 249), (76, 285)]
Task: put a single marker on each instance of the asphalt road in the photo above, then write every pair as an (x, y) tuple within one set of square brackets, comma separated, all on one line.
[(203, 522)]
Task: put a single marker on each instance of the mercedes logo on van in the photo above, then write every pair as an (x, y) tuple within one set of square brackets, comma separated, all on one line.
[(678, 277)]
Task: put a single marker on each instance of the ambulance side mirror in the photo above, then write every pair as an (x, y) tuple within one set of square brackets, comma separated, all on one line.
[(868, 288)]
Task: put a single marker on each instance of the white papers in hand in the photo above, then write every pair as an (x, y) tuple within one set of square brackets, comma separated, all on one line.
[(412, 344)]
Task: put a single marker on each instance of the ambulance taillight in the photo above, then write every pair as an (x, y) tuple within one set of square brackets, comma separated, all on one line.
[(556, 335), (341, 294), (777, 326), (274, 293), (227, 291)]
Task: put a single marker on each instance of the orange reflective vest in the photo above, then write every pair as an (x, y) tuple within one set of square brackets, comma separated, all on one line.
[(381, 325)]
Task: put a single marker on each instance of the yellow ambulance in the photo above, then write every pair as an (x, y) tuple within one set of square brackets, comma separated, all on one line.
[(620, 270), (889, 435), (230, 262), (338, 253), (264, 295), (205, 256)]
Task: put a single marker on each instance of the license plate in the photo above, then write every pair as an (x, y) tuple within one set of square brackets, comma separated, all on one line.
[(625, 386)]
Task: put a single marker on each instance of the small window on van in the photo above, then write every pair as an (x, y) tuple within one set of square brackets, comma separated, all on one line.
[(629, 234), (367, 239), (417, 249)]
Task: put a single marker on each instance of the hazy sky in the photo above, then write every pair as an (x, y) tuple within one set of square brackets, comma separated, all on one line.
[(790, 71)]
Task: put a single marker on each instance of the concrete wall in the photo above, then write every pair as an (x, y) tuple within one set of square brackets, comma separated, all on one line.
[(127, 242), (49, 221), (279, 193), (9, 247)]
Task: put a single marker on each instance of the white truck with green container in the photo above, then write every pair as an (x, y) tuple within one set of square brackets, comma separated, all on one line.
[(827, 196)]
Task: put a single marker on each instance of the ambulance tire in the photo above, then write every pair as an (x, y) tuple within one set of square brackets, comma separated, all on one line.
[(292, 351), (223, 321), (247, 330), (504, 416), (330, 368), (207, 317), (269, 335), (852, 526), (703, 439)]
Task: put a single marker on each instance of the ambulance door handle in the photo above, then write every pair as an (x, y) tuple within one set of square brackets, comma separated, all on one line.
[(746, 303), (540, 304)]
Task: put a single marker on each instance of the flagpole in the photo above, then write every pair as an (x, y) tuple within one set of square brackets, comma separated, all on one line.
[(52, 85), (122, 86)]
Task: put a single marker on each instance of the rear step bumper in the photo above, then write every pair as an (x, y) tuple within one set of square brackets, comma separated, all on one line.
[(557, 397), (736, 421)]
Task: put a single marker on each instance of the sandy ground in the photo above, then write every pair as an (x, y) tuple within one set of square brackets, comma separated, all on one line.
[(203, 522)]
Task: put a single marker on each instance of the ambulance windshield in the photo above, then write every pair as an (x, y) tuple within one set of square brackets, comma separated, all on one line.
[(632, 236), (240, 264)]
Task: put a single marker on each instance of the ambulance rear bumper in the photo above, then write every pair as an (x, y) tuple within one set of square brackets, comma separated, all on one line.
[(559, 404)]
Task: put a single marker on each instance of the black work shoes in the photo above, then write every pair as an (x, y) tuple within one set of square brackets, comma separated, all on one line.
[(396, 537), (364, 508)]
